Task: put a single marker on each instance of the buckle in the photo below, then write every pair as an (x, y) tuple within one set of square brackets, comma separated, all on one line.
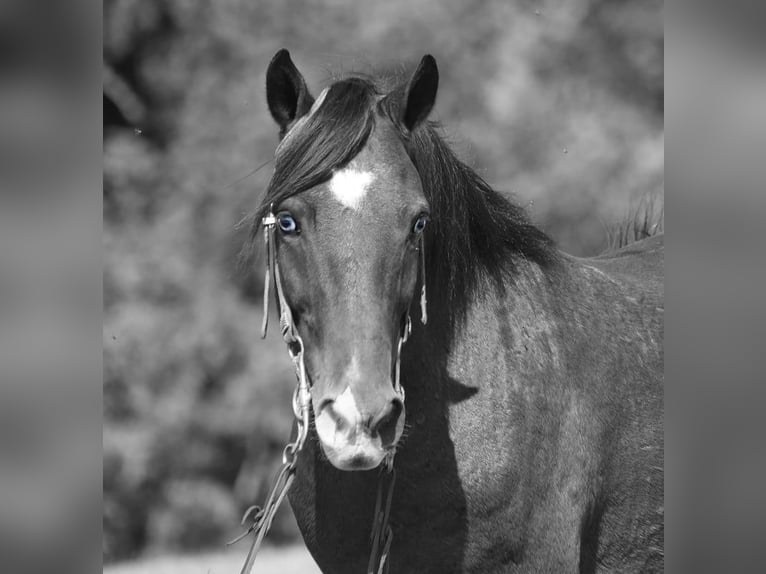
[(269, 220)]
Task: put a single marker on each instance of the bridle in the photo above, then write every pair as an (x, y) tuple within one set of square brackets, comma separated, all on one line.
[(382, 535)]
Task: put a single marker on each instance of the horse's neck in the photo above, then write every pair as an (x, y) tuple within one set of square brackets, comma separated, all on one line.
[(506, 329), (473, 385)]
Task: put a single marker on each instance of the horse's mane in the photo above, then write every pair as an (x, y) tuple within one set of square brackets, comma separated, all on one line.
[(474, 231)]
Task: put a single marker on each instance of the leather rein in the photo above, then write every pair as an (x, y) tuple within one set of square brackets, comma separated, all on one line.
[(382, 535)]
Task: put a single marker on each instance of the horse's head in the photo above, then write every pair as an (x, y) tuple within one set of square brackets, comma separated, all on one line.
[(350, 211)]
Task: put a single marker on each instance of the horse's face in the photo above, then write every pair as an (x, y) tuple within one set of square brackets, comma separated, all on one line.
[(349, 272), (348, 251)]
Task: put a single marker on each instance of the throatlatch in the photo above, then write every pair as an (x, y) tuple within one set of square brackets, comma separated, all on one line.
[(382, 534)]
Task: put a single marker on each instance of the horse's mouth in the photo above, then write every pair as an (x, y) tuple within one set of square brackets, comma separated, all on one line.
[(364, 455), (361, 462)]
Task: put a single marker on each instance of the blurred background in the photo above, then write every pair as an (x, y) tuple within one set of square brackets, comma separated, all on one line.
[(50, 292), (560, 105)]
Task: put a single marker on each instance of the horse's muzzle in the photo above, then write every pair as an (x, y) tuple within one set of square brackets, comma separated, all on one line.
[(358, 437)]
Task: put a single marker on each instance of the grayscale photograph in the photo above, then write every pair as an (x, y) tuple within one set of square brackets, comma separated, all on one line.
[(383, 287)]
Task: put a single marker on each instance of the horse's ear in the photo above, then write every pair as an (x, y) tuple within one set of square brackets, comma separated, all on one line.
[(420, 95), (286, 91)]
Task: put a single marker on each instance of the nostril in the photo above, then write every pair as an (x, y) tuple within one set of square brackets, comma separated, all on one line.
[(397, 406), (329, 408), (385, 423), (323, 405)]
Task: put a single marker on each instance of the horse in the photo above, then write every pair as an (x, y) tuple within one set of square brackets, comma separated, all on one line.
[(530, 438)]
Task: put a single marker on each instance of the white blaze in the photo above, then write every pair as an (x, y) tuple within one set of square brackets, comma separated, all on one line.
[(349, 186), (345, 406)]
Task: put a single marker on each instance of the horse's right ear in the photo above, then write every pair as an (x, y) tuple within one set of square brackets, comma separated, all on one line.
[(420, 93), (286, 91)]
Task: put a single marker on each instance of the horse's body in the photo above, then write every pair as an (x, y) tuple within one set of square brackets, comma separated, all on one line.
[(534, 396)]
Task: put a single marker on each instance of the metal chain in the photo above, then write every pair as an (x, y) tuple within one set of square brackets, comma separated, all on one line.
[(382, 535), (262, 518)]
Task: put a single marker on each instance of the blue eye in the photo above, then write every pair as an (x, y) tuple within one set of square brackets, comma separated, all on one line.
[(287, 223), (420, 224)]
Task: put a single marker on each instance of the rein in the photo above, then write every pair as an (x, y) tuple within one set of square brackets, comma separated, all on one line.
[(382, 534)]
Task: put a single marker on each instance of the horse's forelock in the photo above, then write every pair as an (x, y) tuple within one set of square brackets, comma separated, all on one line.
[(329, 136)]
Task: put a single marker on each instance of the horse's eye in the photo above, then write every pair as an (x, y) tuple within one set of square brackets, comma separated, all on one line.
[(287, 223), (420, 224)]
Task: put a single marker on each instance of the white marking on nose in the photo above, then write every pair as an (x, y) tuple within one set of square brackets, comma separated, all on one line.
[(326, 428), (350, 186), (345, 406)]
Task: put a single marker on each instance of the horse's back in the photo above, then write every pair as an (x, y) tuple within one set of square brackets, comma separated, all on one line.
[(642, 262)]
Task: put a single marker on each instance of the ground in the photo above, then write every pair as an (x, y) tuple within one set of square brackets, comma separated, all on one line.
[(282, 560)]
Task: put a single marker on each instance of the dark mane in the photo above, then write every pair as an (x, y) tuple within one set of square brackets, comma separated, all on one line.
[(474, 232)]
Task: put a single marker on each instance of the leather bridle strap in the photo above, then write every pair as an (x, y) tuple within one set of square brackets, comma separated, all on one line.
[(382, 535), (423, 301), (287, 327), (268, 223)]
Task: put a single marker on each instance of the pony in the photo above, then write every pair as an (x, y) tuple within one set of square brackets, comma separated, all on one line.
[(530, 438)]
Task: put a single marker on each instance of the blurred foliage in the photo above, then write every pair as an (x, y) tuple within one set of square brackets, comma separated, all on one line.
[(559, 104)]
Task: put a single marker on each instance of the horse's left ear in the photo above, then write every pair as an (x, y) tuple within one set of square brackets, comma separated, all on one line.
[(420, 95), (286, 91)]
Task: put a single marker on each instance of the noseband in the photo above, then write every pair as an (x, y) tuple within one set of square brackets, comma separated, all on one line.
[(382, 535)]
